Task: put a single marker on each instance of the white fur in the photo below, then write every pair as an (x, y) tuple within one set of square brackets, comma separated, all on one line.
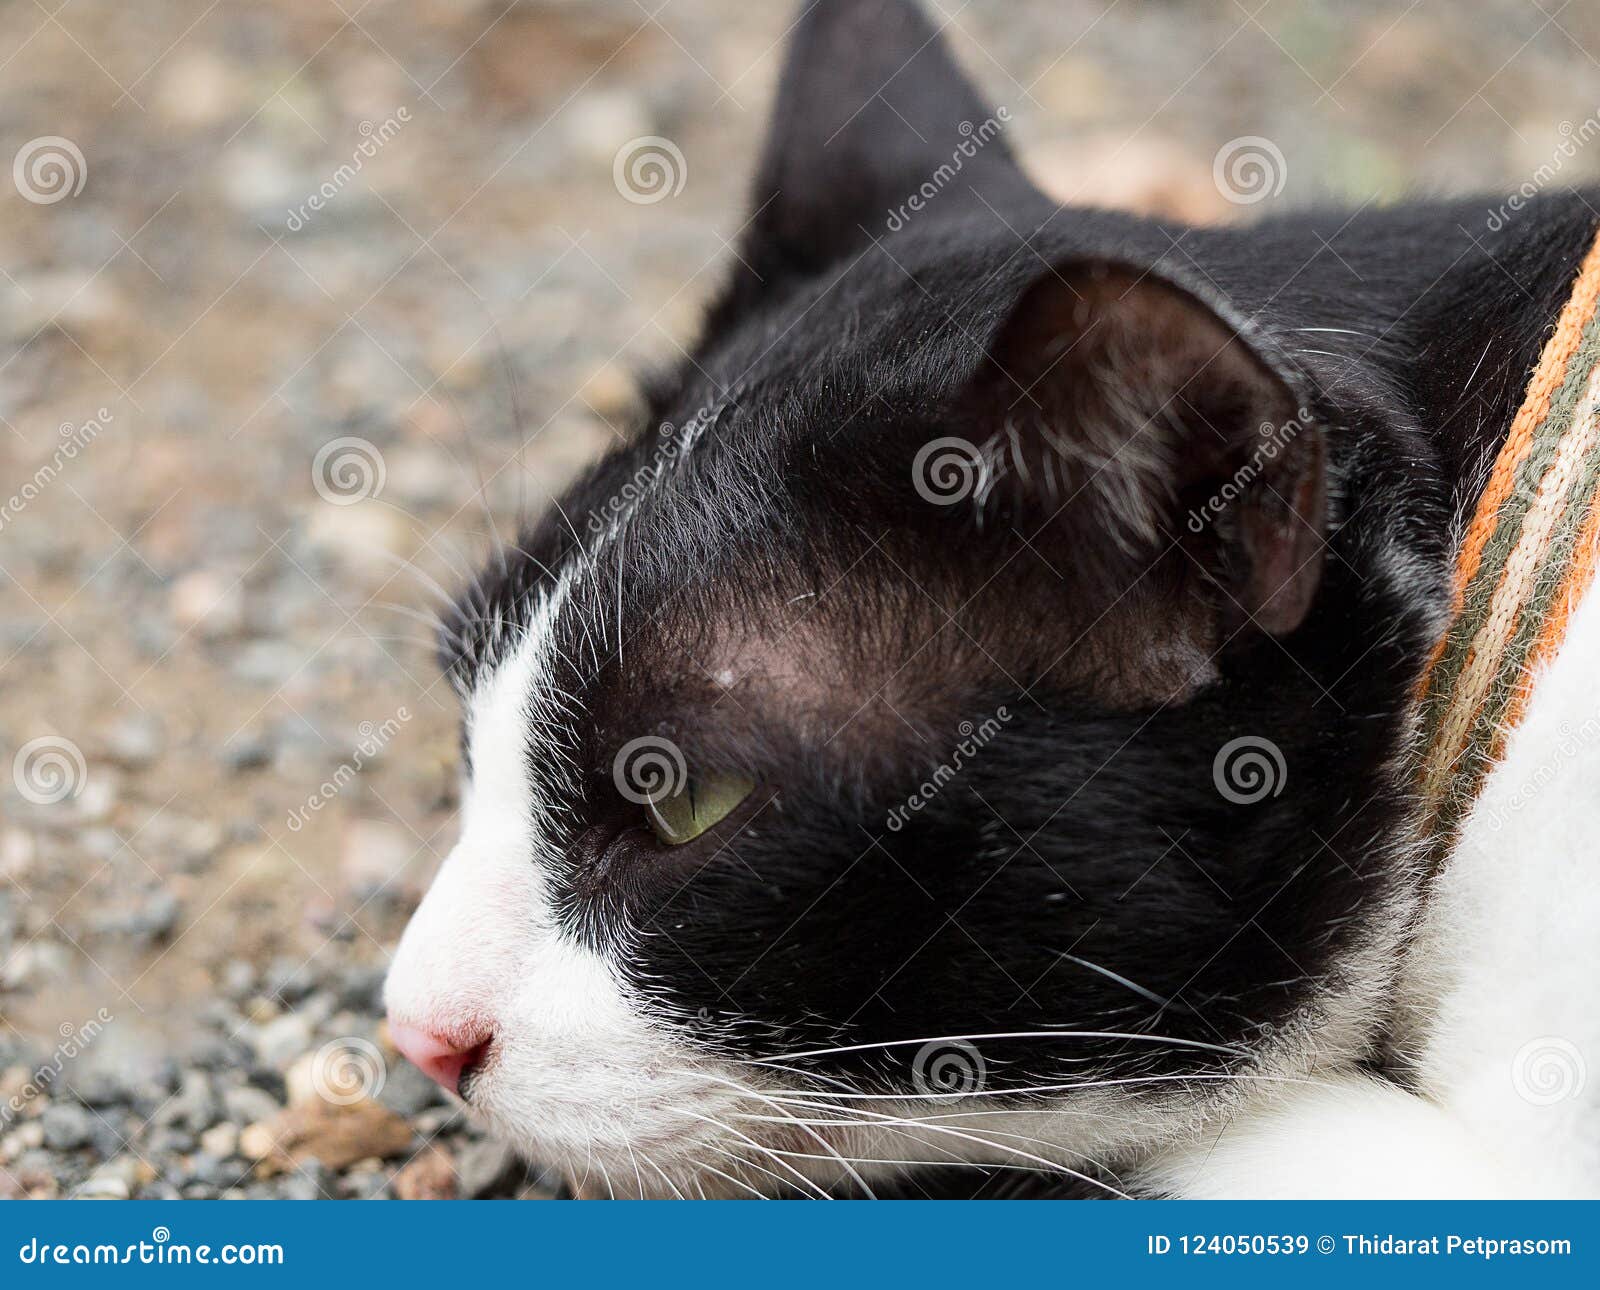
[(1505, 977), (576, 1065), (1499, 1018), (1346, 1137)]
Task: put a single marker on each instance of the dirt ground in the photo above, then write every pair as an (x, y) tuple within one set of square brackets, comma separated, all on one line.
[(299, 301)]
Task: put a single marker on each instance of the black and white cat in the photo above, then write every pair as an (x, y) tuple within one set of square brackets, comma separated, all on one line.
[(960, 746)]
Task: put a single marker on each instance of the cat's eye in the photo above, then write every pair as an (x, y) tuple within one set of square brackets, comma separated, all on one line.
[(703, 803)]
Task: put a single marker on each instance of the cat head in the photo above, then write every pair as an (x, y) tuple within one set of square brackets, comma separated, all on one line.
[(953, 729)]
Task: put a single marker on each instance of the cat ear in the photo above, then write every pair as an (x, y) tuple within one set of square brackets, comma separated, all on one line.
[(870, 107), (1121, 387)]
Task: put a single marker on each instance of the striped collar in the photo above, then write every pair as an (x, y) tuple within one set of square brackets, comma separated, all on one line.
[(1524, 563)]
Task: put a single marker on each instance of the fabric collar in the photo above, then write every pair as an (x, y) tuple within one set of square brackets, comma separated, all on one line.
[(1524, 563)]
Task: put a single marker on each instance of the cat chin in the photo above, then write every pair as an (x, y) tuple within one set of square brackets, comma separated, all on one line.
[(691, 1141), (694, 1125)]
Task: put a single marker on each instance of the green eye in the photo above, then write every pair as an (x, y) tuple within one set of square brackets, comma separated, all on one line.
[(701, 804)]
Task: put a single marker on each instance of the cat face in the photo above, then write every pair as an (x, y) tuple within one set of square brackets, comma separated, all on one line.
[(955, 729)]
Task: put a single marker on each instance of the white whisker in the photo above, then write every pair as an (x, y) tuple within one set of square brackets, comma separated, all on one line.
[(752, 1143), (1052, 1166), (1131, 1036)]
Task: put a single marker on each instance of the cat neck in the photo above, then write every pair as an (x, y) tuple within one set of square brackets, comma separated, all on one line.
[(1478, 331)]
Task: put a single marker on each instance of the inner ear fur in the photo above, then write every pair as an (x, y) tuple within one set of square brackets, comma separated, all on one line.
[(1128, 399)]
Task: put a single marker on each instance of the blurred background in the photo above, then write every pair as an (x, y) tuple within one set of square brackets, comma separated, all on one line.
[(299, 301)]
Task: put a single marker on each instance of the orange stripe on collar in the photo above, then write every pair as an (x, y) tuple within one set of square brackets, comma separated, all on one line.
[(1525, 561)]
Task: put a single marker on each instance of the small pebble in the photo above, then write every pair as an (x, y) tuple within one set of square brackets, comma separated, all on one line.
[(431, 1176), (238, 979), (194, 1107), (207, 604), (151, 919), (248, 1104), (407, 1091), (103, 1187), (289, 979), (245, 752), (99, 1088), (280, 1041), (135, 741), (361, 988), (487, 1167), (221, 1140), (66, 1126)]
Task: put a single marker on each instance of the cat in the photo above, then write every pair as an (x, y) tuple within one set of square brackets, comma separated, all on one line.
[(961, 745)]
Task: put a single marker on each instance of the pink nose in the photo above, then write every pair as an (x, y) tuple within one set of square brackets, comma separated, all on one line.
[(437, 1058)]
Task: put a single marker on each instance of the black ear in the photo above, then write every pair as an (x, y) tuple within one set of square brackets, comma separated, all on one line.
[(870, 107), (1127, 390)]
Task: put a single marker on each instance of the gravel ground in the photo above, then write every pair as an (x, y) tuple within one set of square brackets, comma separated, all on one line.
[(298, 301)]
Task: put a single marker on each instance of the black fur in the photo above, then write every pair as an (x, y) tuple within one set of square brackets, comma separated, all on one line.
[(1088, 832)]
